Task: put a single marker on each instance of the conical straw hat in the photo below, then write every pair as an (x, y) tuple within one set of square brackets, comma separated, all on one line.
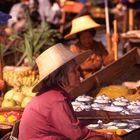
[(80, 24), (53, 58)]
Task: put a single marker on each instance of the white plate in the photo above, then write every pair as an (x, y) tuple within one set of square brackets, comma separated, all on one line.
[(121, 125), (132, 107), (91, 126), (84, 98), (113, 108), (95, 105), (119, 103), (109, 124), (134, 126), (137, 111), (77, 108), (101, 101), (112, 127)]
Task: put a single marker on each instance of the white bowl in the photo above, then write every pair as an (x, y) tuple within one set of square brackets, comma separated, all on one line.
[(119, 103), (91, 126), (112, 108), (121, 125)]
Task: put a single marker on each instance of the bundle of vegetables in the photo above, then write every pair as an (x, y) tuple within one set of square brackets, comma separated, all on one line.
[(19, 76)]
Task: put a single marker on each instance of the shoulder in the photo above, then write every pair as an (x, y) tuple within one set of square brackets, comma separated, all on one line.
[(53, 95), (47, 99)]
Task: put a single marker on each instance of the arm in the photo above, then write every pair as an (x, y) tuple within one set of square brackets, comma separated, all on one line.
[(107, 57), (64, 120)]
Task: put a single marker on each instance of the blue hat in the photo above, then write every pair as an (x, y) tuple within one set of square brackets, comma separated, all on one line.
[(4, 18)]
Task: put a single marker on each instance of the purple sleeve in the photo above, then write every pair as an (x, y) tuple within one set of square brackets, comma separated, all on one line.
[(68, 125)]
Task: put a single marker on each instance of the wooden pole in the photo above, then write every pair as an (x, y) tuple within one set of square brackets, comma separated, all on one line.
[(63, 18), (0, 69), (63, 15), (115, 43), (1, 63), (108, 36), (131, 19), (1, 74)]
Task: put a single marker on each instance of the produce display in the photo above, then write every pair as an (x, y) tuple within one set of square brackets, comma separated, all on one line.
[(19, 97), (19, 76), (10, 116), (115, 91)]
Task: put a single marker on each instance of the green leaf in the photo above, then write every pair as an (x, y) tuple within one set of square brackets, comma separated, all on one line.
[(29, 52)]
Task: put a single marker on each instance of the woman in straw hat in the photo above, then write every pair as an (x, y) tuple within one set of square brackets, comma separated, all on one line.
[(49, 116), (84, 28)]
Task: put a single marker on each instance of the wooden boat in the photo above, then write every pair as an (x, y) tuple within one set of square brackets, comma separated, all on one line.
[(126, 68)]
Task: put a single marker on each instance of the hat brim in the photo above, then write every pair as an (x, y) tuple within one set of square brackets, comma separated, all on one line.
[(79, 58), (72, 35)]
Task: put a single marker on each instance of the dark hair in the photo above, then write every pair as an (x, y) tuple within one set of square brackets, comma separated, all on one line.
[(59, 78), (92, 31)]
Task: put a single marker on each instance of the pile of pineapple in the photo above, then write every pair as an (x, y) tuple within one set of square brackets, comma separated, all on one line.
[(21, 79), (19, 76)]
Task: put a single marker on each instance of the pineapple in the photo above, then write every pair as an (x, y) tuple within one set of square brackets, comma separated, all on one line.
[(19, 76)]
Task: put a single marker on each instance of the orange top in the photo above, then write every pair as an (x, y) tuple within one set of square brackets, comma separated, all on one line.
[(73, 7)]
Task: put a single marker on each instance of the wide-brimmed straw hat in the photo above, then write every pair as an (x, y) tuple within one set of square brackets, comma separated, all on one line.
[(81, 24), (55, 57)]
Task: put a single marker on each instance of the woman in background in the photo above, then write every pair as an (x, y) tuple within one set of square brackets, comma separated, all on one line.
[(84, 29)]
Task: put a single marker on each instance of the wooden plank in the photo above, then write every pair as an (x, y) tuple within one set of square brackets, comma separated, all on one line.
[(119, 117), (11, 109), (104, 115), (116, 69)]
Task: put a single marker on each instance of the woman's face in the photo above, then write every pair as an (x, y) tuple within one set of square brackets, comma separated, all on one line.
[(86, 39), (73, 74)]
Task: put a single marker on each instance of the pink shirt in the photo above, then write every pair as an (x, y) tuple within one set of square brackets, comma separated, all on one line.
[(50, 116)]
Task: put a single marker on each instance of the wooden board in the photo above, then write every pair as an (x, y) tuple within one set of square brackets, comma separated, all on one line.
[(104, 115), (125, 68)]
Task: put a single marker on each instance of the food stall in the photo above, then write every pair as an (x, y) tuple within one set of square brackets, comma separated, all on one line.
[(103, 101)]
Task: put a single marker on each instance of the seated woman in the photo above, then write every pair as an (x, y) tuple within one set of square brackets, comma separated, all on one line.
[(49, 116), (83, 28)]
